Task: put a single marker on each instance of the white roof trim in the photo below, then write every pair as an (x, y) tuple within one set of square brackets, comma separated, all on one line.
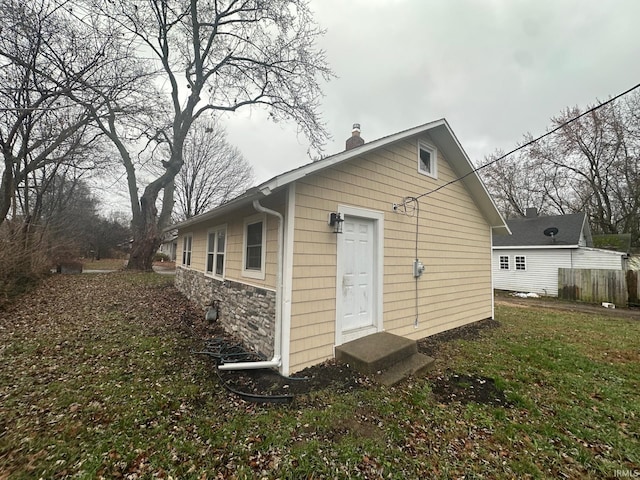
[(604, 250), (310, 168), (243, 200), (557, 247), (449, 145)]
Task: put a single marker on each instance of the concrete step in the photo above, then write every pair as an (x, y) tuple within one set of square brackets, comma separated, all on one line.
[(388, 358), (416, 364), (376, 352)]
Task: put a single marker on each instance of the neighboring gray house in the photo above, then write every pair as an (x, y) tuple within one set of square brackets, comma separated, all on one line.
[(529, 258), (169, 245)]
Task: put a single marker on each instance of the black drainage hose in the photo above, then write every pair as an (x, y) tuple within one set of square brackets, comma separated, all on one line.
[(249, 397), (253, 397)]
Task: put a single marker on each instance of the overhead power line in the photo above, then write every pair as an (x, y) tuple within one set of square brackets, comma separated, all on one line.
[(531, 142)]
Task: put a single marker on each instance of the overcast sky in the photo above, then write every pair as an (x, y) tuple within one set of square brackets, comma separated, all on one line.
[(495, 69)]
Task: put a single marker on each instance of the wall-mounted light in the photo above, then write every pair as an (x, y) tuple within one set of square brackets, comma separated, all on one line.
[(335, 220)]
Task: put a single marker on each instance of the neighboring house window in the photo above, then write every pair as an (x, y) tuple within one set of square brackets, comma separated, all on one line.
[(521, 262), (216, 244), (427, 160), (254, 247), (504, 262), (186, 250)]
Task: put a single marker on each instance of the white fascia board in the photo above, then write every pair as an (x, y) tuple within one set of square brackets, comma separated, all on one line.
[(501, 230), (605, 251), (310, 168), (441, 133), (456, 155), (243, 200)]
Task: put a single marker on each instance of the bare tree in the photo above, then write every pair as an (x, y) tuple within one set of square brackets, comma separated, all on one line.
[(65, 213), (521, 181), (600, 154), (44, 58), (213, 56), (513, 191), (213, 172), (591, 164)]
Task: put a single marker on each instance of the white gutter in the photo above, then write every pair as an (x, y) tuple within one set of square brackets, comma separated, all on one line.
[(276, 361)]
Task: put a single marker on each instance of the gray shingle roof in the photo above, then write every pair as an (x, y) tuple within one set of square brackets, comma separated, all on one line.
[(530, 231)]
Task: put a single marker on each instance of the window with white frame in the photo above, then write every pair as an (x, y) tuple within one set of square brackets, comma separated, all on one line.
[(427, 160), (254, 247), (216, 245), (504, 262), (521, 262), (187, 242)]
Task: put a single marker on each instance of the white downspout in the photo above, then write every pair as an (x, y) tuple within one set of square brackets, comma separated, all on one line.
[(276, 361)]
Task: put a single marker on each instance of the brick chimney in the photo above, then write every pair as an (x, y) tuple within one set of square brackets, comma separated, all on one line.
[(355, 140), (531, 212)]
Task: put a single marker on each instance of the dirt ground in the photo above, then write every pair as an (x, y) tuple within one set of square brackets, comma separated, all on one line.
[(464, 388), (555, 304), (447, 386)]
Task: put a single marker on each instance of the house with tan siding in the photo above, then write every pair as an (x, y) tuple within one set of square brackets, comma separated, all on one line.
[(342, 248)]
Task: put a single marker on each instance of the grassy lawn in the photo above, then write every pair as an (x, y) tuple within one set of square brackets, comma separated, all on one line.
[(97, 381)]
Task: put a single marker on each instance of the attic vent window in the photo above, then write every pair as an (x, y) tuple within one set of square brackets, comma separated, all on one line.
[(427, 160)]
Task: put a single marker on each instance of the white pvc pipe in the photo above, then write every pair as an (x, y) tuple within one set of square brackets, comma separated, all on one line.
[(276, 361), (250, 365)]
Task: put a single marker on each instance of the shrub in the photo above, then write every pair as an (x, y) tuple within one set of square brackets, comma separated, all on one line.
[(23, 261), (161, 257)]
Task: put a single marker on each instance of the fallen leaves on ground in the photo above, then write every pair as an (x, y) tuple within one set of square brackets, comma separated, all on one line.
[(98, 380)]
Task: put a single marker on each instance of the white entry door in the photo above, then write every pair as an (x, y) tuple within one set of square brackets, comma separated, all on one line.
[(357, 278)]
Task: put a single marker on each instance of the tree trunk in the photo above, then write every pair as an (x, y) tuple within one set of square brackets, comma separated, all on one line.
[(146, 236), (6, 189), (147, 225)]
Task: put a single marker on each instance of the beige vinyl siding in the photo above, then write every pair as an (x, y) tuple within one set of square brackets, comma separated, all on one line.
[(234, 254), (313, 279), (454, 246)]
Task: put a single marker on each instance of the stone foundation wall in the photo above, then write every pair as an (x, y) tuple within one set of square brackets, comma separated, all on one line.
[(246, 311)]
